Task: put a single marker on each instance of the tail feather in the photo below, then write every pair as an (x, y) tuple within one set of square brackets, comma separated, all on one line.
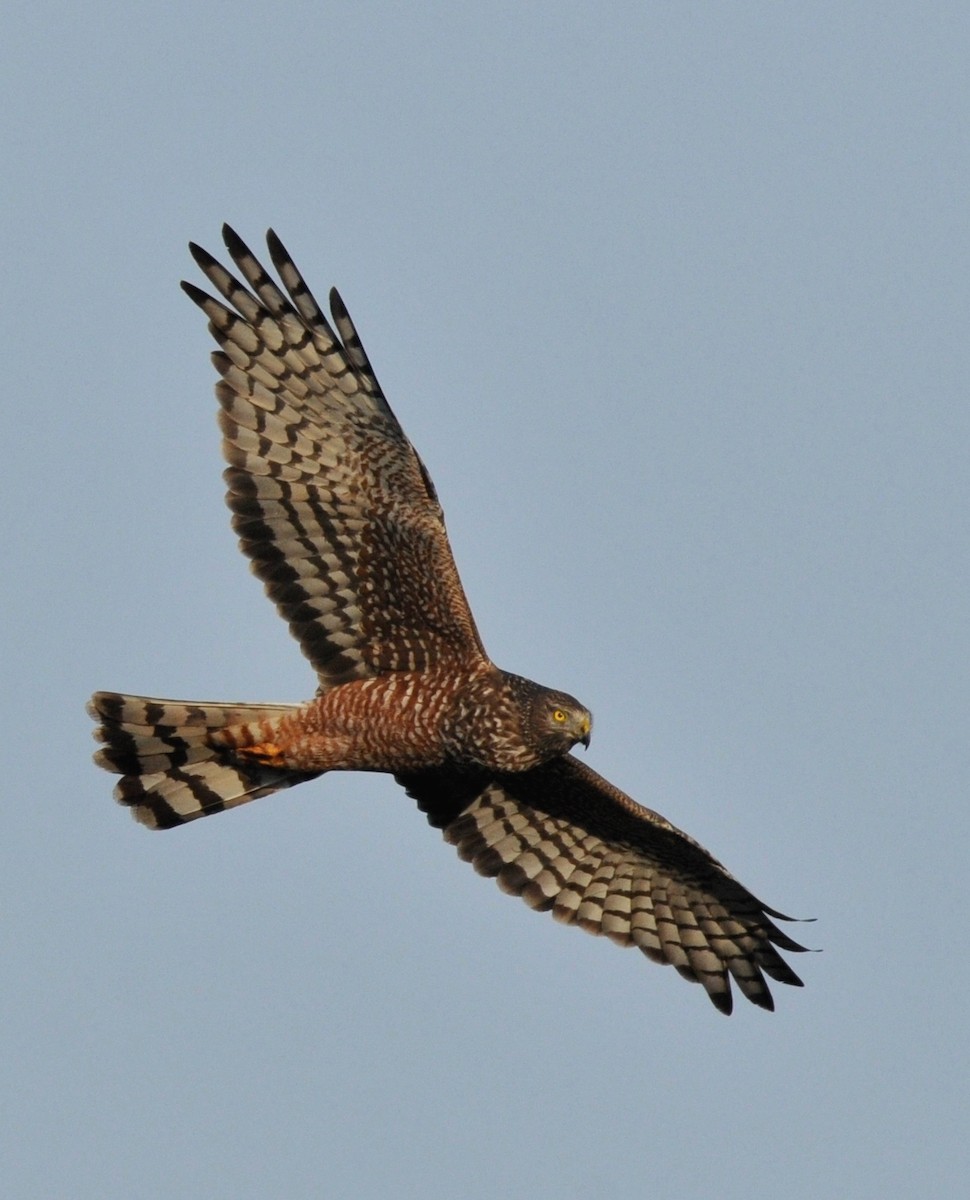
[(173, 768)]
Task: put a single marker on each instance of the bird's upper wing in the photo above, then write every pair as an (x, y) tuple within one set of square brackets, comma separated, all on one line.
[(330, 499), (566, 840)]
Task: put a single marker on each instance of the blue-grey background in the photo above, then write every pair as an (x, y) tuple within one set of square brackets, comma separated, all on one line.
[(673, 299)]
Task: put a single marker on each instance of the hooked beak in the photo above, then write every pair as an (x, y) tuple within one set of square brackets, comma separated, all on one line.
[(586, 732)]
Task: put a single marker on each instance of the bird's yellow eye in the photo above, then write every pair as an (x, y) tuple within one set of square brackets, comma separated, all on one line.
[(559, 716)]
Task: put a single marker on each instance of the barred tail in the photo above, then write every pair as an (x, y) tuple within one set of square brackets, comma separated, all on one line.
[(172, 766)]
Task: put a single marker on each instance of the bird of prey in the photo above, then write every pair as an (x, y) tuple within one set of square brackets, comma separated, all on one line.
[(341, 522)]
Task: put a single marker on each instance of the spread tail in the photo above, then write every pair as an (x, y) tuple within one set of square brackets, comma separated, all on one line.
[(175, 757)]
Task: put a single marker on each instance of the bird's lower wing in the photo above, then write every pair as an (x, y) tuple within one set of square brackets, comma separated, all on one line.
[(567, 841)]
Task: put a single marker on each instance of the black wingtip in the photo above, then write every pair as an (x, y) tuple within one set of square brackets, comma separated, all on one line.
[(237, 248), (780, 916), (337, 306), (195, 294), (277, 251), (201, 255)]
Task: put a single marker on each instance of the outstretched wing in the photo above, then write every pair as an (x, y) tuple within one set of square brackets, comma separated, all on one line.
[(330, 500), (566, 840)]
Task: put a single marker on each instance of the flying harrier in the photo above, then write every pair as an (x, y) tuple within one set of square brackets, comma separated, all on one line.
[(342, 523)]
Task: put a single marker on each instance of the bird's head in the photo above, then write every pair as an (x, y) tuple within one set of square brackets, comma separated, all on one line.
[(559, 721)]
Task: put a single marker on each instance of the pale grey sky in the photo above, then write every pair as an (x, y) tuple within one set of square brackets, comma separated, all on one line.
[(673, 300)]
